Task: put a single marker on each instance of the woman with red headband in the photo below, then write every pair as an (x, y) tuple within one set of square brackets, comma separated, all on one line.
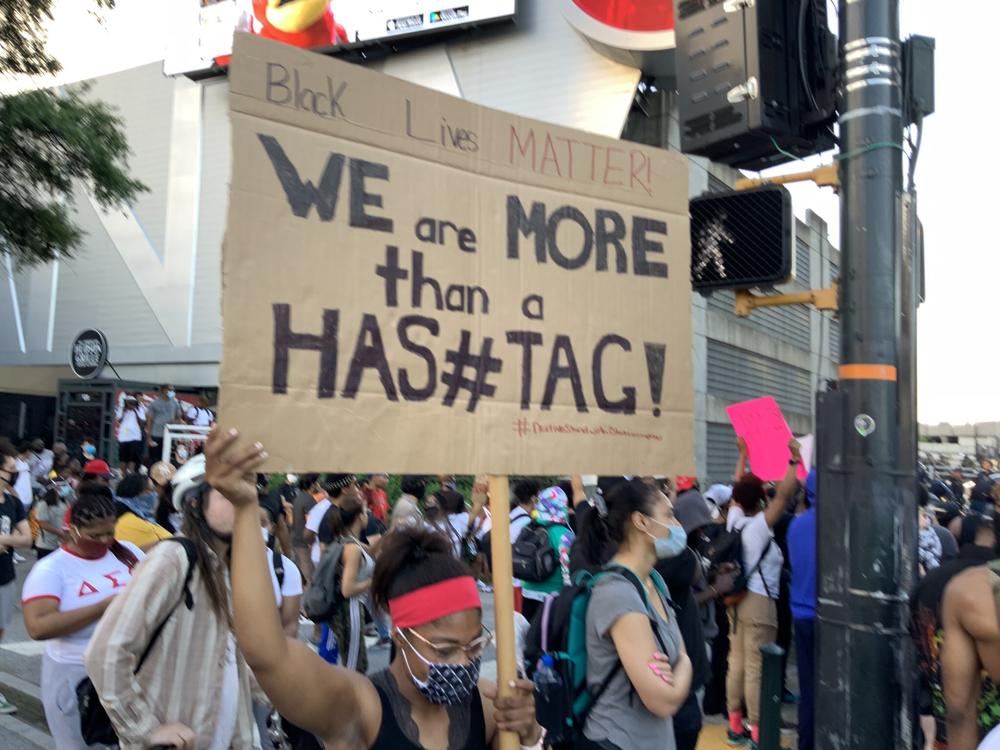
[(431, 694)]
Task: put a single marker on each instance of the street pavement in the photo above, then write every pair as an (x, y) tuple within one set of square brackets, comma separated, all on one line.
[(21, 666)]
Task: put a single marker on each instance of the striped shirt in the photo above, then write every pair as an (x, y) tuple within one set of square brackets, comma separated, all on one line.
[(181, 680)]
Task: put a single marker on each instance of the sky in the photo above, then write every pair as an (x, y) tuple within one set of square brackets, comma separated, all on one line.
[(959, 356)]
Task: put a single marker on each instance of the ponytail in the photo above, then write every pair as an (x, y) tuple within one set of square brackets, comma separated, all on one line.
[(603, 530), (342, 518)]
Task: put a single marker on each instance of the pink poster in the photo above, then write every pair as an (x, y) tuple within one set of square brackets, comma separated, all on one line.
[(762, 425)]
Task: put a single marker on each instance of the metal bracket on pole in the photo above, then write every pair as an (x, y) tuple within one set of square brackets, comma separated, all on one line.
[(825, 176), (821, 299)]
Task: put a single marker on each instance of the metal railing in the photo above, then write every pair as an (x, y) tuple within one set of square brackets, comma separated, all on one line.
[(181, 441)]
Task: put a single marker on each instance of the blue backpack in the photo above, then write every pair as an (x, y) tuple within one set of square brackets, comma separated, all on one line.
[(556, 655)]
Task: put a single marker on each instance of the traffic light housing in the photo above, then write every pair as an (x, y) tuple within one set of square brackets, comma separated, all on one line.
[(742, 239), (755, 80)]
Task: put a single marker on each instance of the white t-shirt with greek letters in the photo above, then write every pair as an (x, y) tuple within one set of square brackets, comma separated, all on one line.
[(76, 582)]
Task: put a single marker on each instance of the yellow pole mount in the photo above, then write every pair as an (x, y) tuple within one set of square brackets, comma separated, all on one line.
[(821, 299), (825, 176)]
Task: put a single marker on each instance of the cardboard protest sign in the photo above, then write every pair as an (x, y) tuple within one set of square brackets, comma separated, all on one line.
[(414, 283), (762, 425)]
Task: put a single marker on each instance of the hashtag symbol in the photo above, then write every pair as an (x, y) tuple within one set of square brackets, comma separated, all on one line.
[(482, 365), (521, 427)]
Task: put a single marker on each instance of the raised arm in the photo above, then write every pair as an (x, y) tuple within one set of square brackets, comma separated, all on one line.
[(579, 493), (741, 462), (338, 705), (786, 490)]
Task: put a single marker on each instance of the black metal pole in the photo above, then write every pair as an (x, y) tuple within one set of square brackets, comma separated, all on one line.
[(866, 497)]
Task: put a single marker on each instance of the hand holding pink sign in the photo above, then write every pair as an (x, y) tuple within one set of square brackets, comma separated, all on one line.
[(763, 427)]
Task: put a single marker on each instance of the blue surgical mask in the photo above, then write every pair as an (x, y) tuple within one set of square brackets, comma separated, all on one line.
[(671, 545), (171, 394), (90, 450)]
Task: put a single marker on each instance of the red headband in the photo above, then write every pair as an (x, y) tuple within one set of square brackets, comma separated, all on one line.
[(434, 602)]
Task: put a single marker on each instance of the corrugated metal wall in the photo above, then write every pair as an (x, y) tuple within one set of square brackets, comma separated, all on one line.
[(736, 374), (789, 324)]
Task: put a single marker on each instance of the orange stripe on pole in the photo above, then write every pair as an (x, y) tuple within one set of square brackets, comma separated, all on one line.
[(867, 372)]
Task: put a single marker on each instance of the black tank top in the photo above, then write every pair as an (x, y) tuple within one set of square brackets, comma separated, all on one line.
[(392, 737)]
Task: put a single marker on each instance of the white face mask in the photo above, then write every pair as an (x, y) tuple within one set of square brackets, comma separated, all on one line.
[(171, 394)]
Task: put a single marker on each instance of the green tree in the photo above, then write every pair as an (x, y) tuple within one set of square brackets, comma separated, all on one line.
[(51, 141)]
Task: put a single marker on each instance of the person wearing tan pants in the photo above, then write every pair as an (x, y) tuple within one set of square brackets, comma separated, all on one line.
[(753, 621)]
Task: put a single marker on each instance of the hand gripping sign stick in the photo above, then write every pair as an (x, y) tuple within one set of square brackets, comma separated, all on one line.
[(503, 596)]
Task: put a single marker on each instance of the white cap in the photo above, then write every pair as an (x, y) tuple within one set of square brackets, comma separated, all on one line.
[(716, 496), (190, 475)]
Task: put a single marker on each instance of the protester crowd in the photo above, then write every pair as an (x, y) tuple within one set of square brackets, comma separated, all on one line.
[(200, 604)]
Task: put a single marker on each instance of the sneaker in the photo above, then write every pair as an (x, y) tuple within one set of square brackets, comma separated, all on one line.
[(6, 707), (737, 740)]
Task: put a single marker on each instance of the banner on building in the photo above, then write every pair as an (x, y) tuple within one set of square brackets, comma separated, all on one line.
[(414, 283)]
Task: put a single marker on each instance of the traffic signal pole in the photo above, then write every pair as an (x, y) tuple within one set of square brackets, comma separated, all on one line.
[(867, 487)]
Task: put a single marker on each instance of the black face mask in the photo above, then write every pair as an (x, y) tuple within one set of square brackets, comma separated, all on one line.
[(12, 477)]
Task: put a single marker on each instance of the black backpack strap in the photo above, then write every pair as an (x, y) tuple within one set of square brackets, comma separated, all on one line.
[(279, 567), (756, 568), (191, 551)]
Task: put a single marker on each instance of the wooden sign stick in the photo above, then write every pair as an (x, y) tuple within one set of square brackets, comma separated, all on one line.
[(503, 596)]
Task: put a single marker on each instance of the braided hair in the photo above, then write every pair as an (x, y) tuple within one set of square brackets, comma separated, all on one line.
[(95, 503)]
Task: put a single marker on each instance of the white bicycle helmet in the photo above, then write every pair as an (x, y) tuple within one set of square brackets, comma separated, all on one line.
[(189, 476)]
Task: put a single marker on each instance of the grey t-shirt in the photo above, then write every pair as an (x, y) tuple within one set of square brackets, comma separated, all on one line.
[(52, 515), (619, 716), (164, 411)]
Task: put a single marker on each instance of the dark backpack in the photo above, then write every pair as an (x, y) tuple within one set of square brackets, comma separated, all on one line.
[(324, 595), (557, 639), (95, 725), (533, 558), (723, 546), (727, 547)]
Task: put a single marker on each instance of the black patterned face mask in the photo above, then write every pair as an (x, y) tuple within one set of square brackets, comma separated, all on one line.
[(446, 684)]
